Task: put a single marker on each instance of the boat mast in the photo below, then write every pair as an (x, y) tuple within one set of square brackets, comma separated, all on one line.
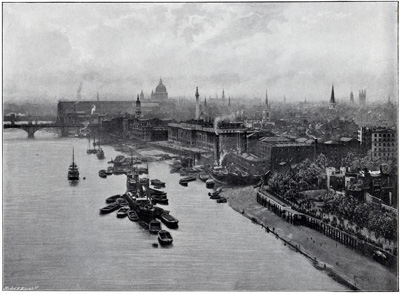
[(73, 160)]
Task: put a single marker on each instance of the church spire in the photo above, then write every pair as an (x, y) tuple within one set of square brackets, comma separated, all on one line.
[(197, 104), (266, 99), (332, 95), (229, 101), (223, 94), (332, 102)]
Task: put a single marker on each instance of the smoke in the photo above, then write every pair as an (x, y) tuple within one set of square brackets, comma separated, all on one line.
[(78, 92), (225, 118), (93, 109)]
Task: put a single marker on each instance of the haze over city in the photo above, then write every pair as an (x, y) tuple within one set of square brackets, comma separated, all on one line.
[(292, 49)]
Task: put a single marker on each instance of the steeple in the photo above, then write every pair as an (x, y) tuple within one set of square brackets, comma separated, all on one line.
[(284, 99), (266, 99), (332, 103), (197, 104), (229, 101), (223, 94), (138, 109), (98, 99), (332, 95), (351, 97), (205, 101)]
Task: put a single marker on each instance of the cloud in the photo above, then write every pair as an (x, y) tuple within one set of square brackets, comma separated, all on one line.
[(293, 49)]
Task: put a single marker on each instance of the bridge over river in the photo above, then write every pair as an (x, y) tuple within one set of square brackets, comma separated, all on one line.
[(32, 126)]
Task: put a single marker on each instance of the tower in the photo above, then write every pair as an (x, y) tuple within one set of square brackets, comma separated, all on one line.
[(229, 101), (362, 96), (138, 109), (98, 99), (351, 97), (141, 95), (197, 104), (223, 94), (266, 114), (332, 103)]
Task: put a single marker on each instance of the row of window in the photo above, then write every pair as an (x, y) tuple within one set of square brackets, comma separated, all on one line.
[(383, 144), (383, 149), (377, 154), (384, 135)]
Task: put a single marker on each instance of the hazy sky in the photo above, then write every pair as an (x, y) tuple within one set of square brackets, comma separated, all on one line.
[(292, 49)]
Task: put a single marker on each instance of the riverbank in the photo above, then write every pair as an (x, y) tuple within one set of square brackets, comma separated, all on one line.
[(343, 264)]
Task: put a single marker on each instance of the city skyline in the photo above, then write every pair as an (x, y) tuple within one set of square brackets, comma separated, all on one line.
[(295, 50)]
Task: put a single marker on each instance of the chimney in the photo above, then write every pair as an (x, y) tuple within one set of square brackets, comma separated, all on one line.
[(216, 149)]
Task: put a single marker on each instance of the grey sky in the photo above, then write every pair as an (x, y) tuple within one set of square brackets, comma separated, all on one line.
[(292, 49)]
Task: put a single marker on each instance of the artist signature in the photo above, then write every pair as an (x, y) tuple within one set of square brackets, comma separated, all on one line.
[(13, 288)]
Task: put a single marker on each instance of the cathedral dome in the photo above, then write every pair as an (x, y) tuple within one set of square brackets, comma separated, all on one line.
[(161, 88)]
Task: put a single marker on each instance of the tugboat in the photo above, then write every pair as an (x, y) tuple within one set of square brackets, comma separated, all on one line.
[(73, 172), (92, 151)]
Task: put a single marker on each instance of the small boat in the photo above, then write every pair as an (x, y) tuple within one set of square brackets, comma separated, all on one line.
[(132, 215), (164, 237), (210, 184), (221, 200), (109, 171), (100, 153), (189, 179), (154, 226), (183, 183), (215, 196), (73, 172), (156, 192), (122, 212), (102, 174), (169, 220), (109, 208), (157, 182), (174, 170), (113, 198), (203, 177), (161, 199)]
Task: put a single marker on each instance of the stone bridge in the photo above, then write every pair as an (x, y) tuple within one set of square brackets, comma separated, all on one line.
[(31, 127)]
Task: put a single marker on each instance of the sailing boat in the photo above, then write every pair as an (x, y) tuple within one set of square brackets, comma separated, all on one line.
[(73, 172), (89, 151), (100, 152)]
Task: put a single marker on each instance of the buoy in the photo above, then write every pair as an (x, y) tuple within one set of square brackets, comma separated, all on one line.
[(84, 178)]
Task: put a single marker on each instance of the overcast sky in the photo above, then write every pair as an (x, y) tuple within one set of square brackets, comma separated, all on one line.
[(292, 49)]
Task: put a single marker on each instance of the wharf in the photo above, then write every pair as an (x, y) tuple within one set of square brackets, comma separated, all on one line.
[(176, 148)]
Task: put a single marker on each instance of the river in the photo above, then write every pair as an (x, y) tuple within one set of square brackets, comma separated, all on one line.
[(55, 239)]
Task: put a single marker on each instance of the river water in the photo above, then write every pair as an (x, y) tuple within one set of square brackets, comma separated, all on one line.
[(55, 239)]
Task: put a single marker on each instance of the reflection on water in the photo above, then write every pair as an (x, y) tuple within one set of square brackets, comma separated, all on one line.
[(54, 237)]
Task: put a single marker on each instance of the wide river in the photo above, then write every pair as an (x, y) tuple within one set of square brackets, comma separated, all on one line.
[(55, 239)]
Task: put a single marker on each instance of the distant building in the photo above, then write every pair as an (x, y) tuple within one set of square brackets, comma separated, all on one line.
[(160, 93), (362, 97), (351, 97)]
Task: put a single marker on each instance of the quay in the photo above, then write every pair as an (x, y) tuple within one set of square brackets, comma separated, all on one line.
[(338, 260)]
